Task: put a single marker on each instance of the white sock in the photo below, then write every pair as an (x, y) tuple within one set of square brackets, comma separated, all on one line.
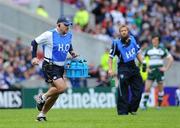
[(161, 93), (41, 114), (44, 97)]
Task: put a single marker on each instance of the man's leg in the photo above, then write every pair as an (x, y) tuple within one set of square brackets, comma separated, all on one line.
[(160, 93), (160, 81), (51, 96), (52, 91), (177, 97), (148, 85), (49, 103), (59, 86), (47, 106), (122, 96), (136, 84)]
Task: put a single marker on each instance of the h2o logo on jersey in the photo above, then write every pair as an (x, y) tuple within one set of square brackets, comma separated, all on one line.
[(130, 53), (63, 47)]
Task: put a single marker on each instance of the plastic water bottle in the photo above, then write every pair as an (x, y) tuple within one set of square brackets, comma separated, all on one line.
[(72, 69)]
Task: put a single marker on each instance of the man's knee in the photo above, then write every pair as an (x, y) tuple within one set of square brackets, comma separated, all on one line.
[(148, 85), (61, 88), (60, 85), (147, 89)]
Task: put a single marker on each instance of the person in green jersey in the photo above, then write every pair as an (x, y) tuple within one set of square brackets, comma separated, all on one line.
[(156, 68), (143, 67)]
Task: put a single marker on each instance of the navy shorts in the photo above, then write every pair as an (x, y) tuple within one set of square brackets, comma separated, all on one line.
[(52, 72)]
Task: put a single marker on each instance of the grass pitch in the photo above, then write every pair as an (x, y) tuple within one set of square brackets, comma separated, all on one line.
[(168, 117)]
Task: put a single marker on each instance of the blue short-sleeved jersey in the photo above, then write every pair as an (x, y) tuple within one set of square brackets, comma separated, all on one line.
[(126, 53), (55, 45)]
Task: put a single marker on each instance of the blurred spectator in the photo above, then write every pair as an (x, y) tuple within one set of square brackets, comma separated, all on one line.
[(100, 33), (41, 11), (105, 59), (99, 11), (3, 84), (102, 77), (138, 20), (117, 16), (176, 51), (104, 67), (143, 45), (9, 75), (93, 71), (75, 82), (18, 44), (81, 18), (110, 31), (142, 67)]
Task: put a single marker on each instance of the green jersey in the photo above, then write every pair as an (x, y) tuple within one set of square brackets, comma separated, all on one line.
[(156, 55)]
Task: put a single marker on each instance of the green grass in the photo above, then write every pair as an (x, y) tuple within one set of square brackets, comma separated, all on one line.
[(168, 117)]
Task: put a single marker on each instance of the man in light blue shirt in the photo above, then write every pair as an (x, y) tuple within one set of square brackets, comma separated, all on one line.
[(56, 45)]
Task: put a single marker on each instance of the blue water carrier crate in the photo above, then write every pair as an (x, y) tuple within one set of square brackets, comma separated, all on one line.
[(76, 68)]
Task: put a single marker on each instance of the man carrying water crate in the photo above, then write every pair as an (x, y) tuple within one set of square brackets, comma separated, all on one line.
[(56, 45)]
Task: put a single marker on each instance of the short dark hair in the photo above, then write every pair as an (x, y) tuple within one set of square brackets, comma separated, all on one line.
[(154, 35), (123, 26)]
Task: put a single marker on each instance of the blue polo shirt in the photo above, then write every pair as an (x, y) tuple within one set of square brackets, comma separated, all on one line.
[(125, 52)]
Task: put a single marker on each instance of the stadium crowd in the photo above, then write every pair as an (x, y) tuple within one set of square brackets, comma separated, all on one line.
[(143, 17), (15, 64)]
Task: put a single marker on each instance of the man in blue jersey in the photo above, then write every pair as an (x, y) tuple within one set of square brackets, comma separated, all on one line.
[(127, 50), (56, 45)]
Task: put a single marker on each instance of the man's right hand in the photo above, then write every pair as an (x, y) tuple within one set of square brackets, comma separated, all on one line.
[(35, 61), (74, 55)]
